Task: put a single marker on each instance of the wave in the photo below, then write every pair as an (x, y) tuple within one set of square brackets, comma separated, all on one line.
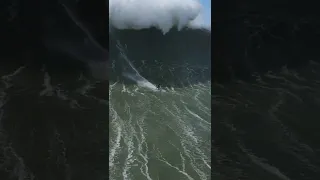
[(67, 37), (162, 14), (165, 42), (252, 42), (176, 58)]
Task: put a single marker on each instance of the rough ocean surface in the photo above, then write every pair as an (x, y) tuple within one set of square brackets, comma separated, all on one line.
[(53, 114), (160, 87), (266, 91)]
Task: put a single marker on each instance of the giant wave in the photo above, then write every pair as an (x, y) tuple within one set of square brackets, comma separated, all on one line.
[(165, 42)]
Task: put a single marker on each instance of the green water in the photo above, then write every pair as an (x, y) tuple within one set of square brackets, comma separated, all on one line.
[(160, 135)]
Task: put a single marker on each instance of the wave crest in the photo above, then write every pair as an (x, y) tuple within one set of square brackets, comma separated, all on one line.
[(161, 14)]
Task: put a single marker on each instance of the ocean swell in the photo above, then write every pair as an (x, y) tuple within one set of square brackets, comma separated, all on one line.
[(164, 42)]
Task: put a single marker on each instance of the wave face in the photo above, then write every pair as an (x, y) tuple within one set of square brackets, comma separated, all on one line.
[(177, 57), (165, 42), (252, 41), (163, 133), (67, 37)]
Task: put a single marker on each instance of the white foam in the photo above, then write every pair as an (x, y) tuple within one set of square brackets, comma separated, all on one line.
[(162, 14)]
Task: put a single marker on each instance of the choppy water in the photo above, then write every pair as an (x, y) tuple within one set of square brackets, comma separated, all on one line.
[(268, 128), (53, 124), (160, 135)]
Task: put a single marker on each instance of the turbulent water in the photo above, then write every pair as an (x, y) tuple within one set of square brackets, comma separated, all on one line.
[(160, 133), (53, 114), (159, 92), (268, 129), (265, 97)]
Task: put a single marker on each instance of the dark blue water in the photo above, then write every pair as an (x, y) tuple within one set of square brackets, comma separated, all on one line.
[(53, 114), (266, 91)]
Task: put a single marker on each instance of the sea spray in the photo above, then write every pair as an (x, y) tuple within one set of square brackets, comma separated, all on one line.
[(132, 73)]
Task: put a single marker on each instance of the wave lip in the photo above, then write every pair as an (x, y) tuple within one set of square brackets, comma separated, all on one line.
[(161, 14)]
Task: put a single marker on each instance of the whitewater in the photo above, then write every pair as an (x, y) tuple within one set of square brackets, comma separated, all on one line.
[(159, 90)]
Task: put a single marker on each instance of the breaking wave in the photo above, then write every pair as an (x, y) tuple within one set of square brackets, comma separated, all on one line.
[(164, 42), (162, 46)]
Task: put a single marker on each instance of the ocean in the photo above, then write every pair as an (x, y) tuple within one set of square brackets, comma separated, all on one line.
[(53, 123), (268, 129), (53, 112), (265, 93), (74, 108), (159, 92), (151, 107), (159, 133)]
